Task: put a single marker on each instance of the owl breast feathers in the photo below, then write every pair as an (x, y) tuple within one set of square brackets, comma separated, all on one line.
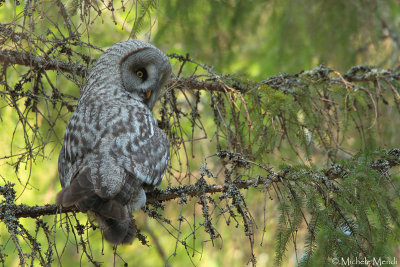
[(112, 145)]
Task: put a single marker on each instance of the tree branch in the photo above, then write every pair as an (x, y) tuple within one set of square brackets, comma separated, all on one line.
[(10, 57), (194, 84), (157, 195), (355, 74), (390, 160)]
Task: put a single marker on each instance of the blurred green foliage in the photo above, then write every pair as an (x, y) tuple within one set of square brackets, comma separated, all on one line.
[(262, 38)]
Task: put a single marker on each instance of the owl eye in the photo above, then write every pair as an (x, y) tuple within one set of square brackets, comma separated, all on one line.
[(141, 73)]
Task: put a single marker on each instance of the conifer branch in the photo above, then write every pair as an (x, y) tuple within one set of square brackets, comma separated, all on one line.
[(355, 74), (11, 57), (390, 160)]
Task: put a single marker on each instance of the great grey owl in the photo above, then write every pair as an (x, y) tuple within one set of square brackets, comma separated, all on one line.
[(112, 146)]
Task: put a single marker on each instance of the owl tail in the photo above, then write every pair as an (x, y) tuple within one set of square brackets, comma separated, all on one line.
[(114, 218), (117, 231)]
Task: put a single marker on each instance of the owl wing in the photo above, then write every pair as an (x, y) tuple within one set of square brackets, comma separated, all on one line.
[(142, 150), (79, 138), (130, 141), (89, 176)]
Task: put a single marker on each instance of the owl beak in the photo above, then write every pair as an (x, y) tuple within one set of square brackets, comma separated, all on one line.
[(148, 94)]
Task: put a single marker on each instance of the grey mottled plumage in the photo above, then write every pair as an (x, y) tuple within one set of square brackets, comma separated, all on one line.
[(112, 146)]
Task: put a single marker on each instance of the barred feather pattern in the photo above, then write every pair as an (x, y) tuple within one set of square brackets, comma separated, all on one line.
[(112, 145)]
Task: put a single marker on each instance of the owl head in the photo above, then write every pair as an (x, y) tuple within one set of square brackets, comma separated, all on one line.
[(133, 67)]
